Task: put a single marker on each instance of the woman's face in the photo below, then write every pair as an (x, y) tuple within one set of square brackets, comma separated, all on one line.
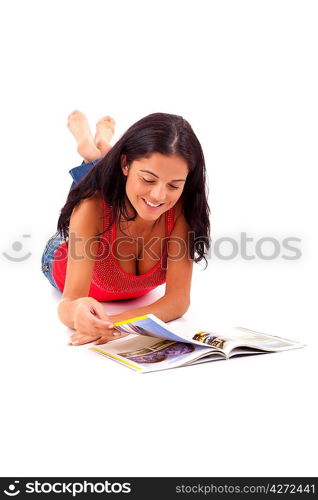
[(155, 184)]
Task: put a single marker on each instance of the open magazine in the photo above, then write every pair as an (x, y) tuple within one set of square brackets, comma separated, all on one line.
[(154, 345)]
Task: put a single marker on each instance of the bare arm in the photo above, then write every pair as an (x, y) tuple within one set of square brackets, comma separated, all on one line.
[(82, 250), (164, 308)]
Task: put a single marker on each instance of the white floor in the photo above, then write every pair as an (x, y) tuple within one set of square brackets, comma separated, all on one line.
[(70, 411)]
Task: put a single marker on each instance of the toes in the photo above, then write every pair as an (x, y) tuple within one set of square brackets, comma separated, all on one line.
[(107, 119), (73, 113)]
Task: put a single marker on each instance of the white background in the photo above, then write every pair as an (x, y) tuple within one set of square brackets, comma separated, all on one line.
[(244, 74)]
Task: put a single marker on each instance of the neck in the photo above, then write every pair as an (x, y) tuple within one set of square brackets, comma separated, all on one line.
[(145, 226), (139, 227)]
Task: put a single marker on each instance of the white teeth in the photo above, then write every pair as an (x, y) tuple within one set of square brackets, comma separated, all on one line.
[(151, 205)]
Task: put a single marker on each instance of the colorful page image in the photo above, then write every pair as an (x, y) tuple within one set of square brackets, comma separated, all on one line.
[(210, 339), (162, 352), (150, 328)]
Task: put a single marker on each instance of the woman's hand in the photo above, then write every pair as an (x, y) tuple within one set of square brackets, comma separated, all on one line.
[(91, 323)]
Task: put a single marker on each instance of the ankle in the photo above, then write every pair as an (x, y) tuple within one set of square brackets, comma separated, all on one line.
[(103, 146)]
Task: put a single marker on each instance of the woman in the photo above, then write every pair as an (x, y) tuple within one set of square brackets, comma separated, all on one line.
[(136, 216)]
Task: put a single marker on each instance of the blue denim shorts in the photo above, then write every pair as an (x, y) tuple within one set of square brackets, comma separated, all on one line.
[(77, 173)]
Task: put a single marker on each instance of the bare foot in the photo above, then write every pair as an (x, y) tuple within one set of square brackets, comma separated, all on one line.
[(78, 125), (105, 128)]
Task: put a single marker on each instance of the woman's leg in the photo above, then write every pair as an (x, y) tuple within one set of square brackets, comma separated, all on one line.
[(79, 172), (88, 147), (48, 256), (105, 128), (91, 149)]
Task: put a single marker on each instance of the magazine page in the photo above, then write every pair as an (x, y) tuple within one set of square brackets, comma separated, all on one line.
[(217, 356), (225, 338), (243, 337), (151, 326), (224, 341), (146, 354)]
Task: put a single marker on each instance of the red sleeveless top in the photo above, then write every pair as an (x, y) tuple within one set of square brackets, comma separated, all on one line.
[(110, 281)]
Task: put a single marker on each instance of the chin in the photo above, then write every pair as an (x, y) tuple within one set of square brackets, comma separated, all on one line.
[(151, 213)]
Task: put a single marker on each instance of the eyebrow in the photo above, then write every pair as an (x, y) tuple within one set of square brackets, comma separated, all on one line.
[(173, 180)]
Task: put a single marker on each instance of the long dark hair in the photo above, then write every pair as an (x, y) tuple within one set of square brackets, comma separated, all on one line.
[(162, 133)]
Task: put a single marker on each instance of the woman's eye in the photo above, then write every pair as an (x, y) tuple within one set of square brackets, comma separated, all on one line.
[(151, 182)]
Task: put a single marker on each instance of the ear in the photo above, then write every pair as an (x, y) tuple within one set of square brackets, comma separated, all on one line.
[(124, 166)]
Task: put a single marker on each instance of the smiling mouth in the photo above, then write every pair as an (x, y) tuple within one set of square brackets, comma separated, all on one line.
[(151, 205)]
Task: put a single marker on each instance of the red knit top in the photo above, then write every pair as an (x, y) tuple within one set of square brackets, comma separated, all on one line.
[(110, 281)]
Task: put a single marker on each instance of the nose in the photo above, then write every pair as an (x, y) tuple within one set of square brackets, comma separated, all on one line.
[(158, 194)]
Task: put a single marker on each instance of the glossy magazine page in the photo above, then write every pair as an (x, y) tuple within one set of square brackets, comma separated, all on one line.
[(151, 326), (147, 354), (243, 337), (154, 345)]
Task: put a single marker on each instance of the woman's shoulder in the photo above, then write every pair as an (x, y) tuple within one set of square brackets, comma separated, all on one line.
[(91, 209), (94, 203)]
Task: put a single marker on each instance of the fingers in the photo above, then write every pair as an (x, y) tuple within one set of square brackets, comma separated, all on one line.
[(91, 323), (101, 341), (102, 325), (77, 336), (104, 340), (83, 339), (111, 335), (93, 326), (99, 321), (79, 339)]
